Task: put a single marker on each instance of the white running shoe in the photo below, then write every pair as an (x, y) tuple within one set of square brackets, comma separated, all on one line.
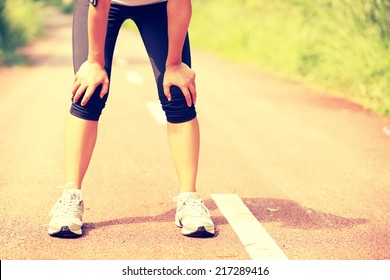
[(67, 214), (193, 216)]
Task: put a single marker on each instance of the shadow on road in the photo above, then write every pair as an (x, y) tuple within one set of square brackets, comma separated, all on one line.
[(267, 210), (293, 215)]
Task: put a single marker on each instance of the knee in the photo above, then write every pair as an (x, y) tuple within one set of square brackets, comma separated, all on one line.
[(92, 110), (177, 110)]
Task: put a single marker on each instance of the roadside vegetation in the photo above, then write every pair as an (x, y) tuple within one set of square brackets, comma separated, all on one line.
[(339, 46), (20, 22)]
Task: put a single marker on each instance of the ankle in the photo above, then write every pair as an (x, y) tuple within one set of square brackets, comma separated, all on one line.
[(72, 186), (187, 189)]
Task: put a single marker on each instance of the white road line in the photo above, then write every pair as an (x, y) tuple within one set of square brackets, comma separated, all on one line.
[(134, 78), (157, 112), (258, 243)]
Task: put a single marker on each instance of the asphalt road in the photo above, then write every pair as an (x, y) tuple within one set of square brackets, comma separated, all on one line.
[(313, 169)]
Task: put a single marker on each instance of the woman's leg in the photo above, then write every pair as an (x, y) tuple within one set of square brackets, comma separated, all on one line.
[(184, 141), (80, 130), (82, 124), (80, 139), (182, 128)]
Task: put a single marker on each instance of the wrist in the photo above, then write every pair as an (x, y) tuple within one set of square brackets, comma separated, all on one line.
[(96, 62), (96, 59), (173, 65), (173, 61)]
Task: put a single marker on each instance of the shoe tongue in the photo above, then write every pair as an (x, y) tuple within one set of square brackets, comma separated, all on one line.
[(74, 193), (190, 195)]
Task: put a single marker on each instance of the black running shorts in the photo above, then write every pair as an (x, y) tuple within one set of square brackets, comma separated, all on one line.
[(152, 22)]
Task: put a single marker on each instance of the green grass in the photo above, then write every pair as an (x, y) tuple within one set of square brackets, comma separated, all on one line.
[(341, 46), (21, 21)]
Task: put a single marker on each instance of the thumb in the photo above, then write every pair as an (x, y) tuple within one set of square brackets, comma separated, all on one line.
[(104, 90), (167, 92)]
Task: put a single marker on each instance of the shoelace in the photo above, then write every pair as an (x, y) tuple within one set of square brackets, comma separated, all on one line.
[(67, 203), (193, 205)]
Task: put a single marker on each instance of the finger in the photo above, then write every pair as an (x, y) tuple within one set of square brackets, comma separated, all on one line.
[(193, 93), (104, 90), (88, 93), (75, 87), (78, 93), (187, 96), (167, 92)]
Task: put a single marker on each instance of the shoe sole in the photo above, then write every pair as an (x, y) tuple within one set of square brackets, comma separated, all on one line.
[(200, 232), (65, 232)]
